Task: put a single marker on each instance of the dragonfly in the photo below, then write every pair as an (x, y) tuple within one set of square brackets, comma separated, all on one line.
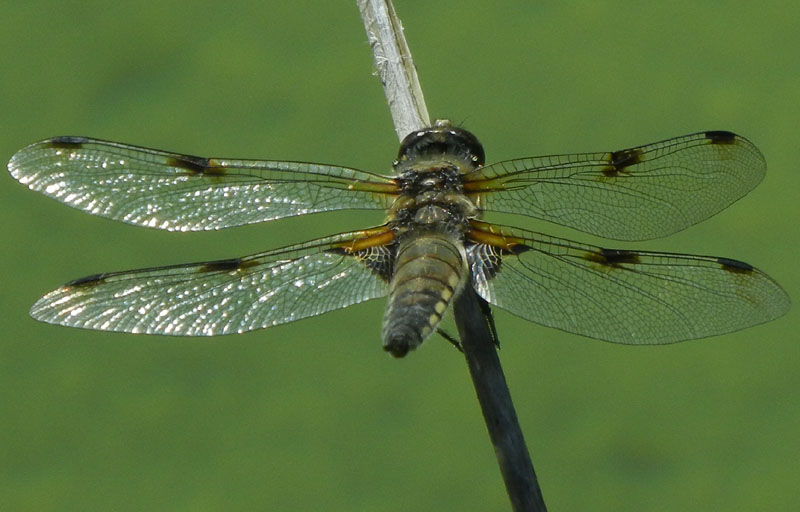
[(433, 245)]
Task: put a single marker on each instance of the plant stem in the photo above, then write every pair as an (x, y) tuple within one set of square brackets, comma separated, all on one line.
[(398, 75)]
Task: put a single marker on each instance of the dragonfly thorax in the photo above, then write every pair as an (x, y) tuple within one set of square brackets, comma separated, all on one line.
[(432, 197)]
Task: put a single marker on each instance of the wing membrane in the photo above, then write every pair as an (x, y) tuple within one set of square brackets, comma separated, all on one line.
[(622, 296), (158, 189), (219, 297), (634, 194)]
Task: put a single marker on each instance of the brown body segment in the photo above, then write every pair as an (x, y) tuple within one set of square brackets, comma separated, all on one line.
[(429, 272)]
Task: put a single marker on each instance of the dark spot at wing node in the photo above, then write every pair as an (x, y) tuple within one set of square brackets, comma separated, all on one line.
[(195, 165), (721, 137), (736, 266), (226, 265), (67, 142), (86, 281), (620, 160), (612, 257)]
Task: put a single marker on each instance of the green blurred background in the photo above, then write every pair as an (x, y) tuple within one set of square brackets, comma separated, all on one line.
[(313, 415)]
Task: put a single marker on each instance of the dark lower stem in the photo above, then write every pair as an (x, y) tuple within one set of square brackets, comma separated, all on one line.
[(498, 409)]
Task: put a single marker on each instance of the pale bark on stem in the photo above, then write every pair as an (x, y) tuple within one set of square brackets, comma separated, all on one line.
[(394, 66)]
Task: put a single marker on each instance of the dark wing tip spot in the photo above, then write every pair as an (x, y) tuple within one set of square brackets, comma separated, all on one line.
[(87, 281), (66, 142), (735, 265), (720, 136)]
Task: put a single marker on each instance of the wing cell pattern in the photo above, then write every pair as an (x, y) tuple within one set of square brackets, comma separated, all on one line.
[(633, 194), (219, 297), (622, 296), (158, 189)]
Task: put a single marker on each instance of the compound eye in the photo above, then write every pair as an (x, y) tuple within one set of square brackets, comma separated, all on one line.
[(442, 139)]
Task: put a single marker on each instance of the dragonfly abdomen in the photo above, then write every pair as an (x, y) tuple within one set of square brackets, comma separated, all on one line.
[(429, 271)]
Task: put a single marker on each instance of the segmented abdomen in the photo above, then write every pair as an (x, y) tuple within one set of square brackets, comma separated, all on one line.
[(429, 271)]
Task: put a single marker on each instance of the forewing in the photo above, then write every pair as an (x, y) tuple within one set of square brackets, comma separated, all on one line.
[(227, 296), (158, 189), (632, 194), (621, 296)]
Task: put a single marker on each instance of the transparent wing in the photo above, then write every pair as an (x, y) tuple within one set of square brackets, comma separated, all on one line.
[(157, 189), (621, 296), (633, 194), (220, 297)]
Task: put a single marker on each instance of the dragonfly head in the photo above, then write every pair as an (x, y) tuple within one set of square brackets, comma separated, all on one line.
[(441, 140)]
